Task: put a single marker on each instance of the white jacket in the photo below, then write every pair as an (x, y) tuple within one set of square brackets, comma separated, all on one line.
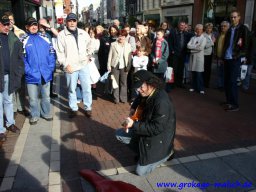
[(71, 53)]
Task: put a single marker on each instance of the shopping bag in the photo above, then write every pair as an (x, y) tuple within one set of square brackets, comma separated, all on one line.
[(169, 75), (243, 71), (94, 73), (114, 83)]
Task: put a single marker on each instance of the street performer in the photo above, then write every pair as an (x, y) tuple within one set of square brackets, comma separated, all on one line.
[(150, 128)]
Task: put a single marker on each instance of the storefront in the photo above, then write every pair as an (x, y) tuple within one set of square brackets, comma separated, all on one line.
[(152, 17), (5, 5), (175, 14), (23, 9)]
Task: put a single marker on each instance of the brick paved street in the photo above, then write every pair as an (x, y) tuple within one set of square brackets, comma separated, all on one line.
[(202, 126)]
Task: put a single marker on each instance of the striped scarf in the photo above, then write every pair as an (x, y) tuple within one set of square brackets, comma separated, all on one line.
[(158, 50)]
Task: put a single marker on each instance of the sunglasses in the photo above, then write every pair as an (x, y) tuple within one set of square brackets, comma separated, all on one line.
[(6, 24)]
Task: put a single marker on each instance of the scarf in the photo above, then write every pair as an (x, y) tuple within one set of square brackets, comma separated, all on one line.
[(158, 50)]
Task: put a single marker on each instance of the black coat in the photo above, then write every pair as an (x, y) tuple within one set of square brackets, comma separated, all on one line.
[(155, 132), (241, 32), (16, 64), (103, 53)]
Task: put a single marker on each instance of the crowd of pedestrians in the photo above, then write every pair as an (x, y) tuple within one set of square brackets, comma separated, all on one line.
[(28, 61)]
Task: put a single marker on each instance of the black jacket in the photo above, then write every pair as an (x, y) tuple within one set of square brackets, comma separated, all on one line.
[(16, 64), (155, 132), (241, 32)]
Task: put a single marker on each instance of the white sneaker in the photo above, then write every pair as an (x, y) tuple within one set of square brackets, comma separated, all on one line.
[(202, 92), (191, 90)]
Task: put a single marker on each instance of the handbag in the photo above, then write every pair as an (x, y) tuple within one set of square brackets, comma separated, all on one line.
[(94, 72), (169, 75)]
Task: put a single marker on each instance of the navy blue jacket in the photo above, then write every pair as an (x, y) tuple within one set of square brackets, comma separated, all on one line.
[(39, 58)]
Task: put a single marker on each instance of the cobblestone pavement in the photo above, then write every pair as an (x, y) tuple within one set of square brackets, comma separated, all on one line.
[(202, 127)]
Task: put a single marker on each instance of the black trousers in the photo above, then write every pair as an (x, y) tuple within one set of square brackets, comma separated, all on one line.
[(207, 70), (178, 67)]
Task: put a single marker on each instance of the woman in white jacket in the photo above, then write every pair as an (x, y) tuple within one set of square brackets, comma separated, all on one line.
[(196, 46), (94, 45)]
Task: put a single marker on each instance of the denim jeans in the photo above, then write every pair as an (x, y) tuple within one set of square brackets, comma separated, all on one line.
[(84, 76), (126, 138), (6, 106), (39, 106), (246, 81)]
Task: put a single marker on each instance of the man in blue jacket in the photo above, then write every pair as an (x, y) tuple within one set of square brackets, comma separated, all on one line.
[(11, 71), (39, 62)]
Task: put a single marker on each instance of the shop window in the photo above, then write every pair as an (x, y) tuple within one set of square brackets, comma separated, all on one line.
[(216, 11)]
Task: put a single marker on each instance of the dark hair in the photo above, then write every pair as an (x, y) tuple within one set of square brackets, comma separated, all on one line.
[(123, 33), (160, 30), (80, 25), (235, 11), (127, 25), (8, 13), (92, 29), (115, 27), (155, 82)]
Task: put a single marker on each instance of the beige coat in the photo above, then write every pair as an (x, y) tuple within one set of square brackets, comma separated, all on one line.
[(71, 53), (114, 55), (196, 46)]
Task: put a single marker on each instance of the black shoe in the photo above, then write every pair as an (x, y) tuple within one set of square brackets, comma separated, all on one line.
[(13, 129), (53, 95), (88, 113), (2, 137), (24, 112), (171, 155), (48, 118), (232, 109), (72, 114)]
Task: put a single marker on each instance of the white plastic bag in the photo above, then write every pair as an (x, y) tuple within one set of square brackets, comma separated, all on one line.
[(243, 71), (94, 73)]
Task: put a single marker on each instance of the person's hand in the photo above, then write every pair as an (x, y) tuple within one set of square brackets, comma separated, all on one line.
[(127, 124), (69, 69), (45, 24)]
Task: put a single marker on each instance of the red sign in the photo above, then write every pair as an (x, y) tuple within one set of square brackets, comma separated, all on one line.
[(38, 2)]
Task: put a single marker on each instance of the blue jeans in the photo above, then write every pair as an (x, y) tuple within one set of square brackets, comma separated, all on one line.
[(126, 138), (84, 76), (39, 106), (246, 81), (6, 106)]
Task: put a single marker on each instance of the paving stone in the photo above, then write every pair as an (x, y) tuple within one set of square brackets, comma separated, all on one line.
[(240, 150), (139, 182), (188, 159), (211, 171), (11, 170), (55, 156), (54, 178), (127, 169), (55, 188), (170, 163), (244, 164), (206, 156), (176, 174), (7, 183), (108, 172), (223, 153), (55, 147), (55, 166)]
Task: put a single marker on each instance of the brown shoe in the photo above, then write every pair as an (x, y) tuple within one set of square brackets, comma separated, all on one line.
[(2, 137), (13, 129), (88, 113), (72, 114)]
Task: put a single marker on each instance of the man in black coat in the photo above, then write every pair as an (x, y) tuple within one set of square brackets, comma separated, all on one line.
[(150, 128), (11, 71), (235, 48)]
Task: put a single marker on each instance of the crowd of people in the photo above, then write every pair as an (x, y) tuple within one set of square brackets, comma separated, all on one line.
[(135, 61)]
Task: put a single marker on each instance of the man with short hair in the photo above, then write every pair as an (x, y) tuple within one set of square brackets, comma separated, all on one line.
[(235, 48), (39, 62), (11, 71), (73, 53)]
